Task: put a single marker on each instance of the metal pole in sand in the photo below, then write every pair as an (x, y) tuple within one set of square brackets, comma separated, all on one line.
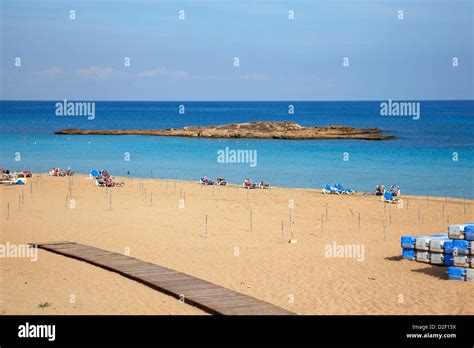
[(31, 189), (322, 224), (326, 212), (384, 232), (8, 211), (291, 223), (282, 230), (110, 201), (206, 227), (390, 216), (66, 202), (151, 198), (359, 221), (250, 220)]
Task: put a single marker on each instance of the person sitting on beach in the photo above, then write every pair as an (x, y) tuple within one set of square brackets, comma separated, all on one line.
[(394, 190), (379, 190), (247, 183)]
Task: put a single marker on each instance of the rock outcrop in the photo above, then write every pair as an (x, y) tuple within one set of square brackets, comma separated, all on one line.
[(257, 130)]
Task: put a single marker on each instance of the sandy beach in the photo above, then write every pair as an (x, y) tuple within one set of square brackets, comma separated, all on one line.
[(147, 217)]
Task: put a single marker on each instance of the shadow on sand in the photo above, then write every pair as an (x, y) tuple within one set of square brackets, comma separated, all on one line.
[(394, 258), (434, 271)]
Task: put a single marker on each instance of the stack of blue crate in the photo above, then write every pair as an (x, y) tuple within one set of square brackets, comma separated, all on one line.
[(454, 250)]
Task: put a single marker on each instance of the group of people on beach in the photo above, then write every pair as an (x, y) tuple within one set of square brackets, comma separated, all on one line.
[(207, 181), (103, 179), (394, 190), (61, 172), (379, 190), (13, 178), (248, 183)]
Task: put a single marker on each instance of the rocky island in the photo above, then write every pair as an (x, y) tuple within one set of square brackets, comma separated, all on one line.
[(257, 130)]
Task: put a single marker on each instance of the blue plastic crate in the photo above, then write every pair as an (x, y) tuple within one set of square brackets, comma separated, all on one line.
[(456, 273), (458, 231), (469, 232), (448, 247), (462, 261), (437, 259), (462, 247), (448, 260), (408, 242), (409, 254), (437, 245)]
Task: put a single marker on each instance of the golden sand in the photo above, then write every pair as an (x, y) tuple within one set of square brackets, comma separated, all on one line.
[(147, 218)]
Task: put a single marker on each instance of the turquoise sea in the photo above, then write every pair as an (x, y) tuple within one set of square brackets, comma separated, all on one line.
[(433, 155)]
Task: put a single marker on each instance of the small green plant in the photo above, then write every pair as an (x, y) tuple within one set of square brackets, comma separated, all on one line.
[(44, 304)]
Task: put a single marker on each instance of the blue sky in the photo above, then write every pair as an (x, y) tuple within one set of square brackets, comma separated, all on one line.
[(280, 59)]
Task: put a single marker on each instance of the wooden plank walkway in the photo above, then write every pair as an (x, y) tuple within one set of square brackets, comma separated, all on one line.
[(207, 296)]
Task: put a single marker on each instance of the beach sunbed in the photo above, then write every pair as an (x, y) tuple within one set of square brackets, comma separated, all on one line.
[(94, 174), (342, 189), (388, 198), (206, 181), (329, 189), (221, 181), (248, 184)]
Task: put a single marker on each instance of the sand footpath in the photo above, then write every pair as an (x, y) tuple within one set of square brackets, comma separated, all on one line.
[(163, 222)]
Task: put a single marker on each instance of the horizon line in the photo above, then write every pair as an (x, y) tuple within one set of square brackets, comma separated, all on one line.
[(228, 101)]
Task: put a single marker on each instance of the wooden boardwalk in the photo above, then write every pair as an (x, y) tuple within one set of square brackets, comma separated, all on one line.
[(207, 296)]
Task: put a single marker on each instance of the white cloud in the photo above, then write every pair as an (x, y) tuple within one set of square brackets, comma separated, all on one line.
[(163, 72), (51, 72), (99, 72)]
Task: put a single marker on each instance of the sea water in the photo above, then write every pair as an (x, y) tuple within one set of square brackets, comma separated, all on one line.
[(431, 155)]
